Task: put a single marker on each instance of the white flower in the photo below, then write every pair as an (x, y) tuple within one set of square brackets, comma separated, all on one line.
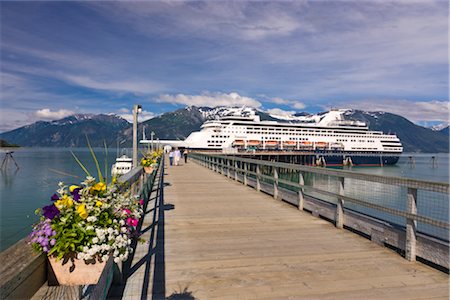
[(116, 260), (95, 240)]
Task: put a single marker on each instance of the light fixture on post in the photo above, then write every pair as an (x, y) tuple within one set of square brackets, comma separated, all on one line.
[(137, 109)]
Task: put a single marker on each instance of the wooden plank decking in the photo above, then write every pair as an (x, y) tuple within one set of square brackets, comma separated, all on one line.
[(218, 239)]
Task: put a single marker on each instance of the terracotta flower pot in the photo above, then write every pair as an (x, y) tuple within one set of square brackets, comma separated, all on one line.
[(148, 170), (73, 271)]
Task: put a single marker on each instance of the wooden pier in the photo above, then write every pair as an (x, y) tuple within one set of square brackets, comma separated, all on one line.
[(219, 239), (208, 236)]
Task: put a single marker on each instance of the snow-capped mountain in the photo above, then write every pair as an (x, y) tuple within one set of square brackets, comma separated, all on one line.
[(439, 127), (71, 131)]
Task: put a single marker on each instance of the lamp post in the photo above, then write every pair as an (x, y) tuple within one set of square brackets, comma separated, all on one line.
[(136, 110), (152, 134)]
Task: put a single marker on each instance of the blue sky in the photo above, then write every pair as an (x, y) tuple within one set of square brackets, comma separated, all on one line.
[(60, 58)]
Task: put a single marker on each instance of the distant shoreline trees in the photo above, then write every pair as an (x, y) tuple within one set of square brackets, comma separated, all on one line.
[(5, 144)]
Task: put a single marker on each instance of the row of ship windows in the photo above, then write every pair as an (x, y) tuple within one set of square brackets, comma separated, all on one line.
[(293, 139), (290, 131), (301, 139), (287, 130), (309, 134), (360, 141), (363, 148)]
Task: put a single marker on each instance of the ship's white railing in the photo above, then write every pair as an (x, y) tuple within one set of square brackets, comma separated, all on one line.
[(395, 226)]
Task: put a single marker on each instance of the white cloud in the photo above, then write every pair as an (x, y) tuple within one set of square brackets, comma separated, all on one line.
[(237, 20), (47, 114), (211, 99), (280, 112), (144, 87), (292, 103), (143, 116), (124, 110), (298, 105), (415, 111)]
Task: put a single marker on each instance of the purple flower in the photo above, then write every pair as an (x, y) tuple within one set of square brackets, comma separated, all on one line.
[(54, 197), (76, 194), (76, 197), (50, 211), (52, 242)]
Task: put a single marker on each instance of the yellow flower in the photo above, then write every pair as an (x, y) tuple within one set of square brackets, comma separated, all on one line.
[(99, 187), (72, 187), (98, 203), (59, 204), (81, 210), (67, 201)]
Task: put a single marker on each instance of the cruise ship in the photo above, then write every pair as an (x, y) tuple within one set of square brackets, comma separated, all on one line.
[(334, 140)]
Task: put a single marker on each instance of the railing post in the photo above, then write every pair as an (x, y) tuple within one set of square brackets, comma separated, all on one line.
[(411, 226), (245, 173), (222, 166), (235, 170), (228, 168), (258, 181), (215, 164), (339, 218), (275, 182), (301, 199)]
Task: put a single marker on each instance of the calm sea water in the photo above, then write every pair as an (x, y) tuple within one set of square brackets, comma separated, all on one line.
[(30, 187), (24, 190)]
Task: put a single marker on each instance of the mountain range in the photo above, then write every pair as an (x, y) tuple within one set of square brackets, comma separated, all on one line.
[(113, 130)]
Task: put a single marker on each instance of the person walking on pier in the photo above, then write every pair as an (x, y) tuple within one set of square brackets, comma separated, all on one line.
[(185, 154), (177, 156), (171, 157)]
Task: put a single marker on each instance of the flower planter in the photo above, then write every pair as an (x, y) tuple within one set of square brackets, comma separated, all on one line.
[(73, 271), (148, 170)]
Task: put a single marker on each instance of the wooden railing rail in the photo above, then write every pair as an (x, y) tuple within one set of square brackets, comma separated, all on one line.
[(409, 240)]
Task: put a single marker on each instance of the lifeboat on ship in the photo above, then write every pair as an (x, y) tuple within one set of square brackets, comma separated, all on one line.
[(337, 146), (253, 143), (271, 144), (289, 144), (238, 143), (306, 145), (321, 145)]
